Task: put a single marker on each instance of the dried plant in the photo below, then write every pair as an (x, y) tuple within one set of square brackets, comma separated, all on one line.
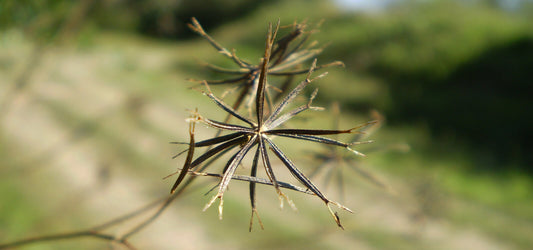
[(288, 54), (332, 162), (259, 132)]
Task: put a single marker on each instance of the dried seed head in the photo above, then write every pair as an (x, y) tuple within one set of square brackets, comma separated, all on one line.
[(262, 126)]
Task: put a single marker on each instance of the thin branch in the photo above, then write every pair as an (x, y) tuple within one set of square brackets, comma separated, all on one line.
[(294, 171), (65, 236), (229, 109), (253, 173), (257, 180), (188, 160), (229, 173), (260, 96), (196, 27), (318, 139), (219, 69), (93, 232), (288, 99), (225, 126), (276, 72)]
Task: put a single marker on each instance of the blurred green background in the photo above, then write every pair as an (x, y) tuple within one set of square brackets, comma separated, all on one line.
[(92, 91)]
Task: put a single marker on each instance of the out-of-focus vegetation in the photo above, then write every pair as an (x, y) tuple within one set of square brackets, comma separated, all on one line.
[(162, 18), (466, 77), (452, 78)]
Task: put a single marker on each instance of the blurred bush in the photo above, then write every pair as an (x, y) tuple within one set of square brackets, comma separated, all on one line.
[(169, 18), (462, 69), (37, 19), (159, 18)]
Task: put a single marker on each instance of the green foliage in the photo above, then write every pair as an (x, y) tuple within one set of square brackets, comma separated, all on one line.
[(14, 199), (425, 40), (168, 19), (463, 74), (39, 19)]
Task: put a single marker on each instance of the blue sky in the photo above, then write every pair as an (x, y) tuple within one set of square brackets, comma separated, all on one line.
[(363, 5)]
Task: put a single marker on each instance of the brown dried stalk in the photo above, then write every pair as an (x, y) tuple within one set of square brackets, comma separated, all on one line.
[(259, 132), (288, 54)]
